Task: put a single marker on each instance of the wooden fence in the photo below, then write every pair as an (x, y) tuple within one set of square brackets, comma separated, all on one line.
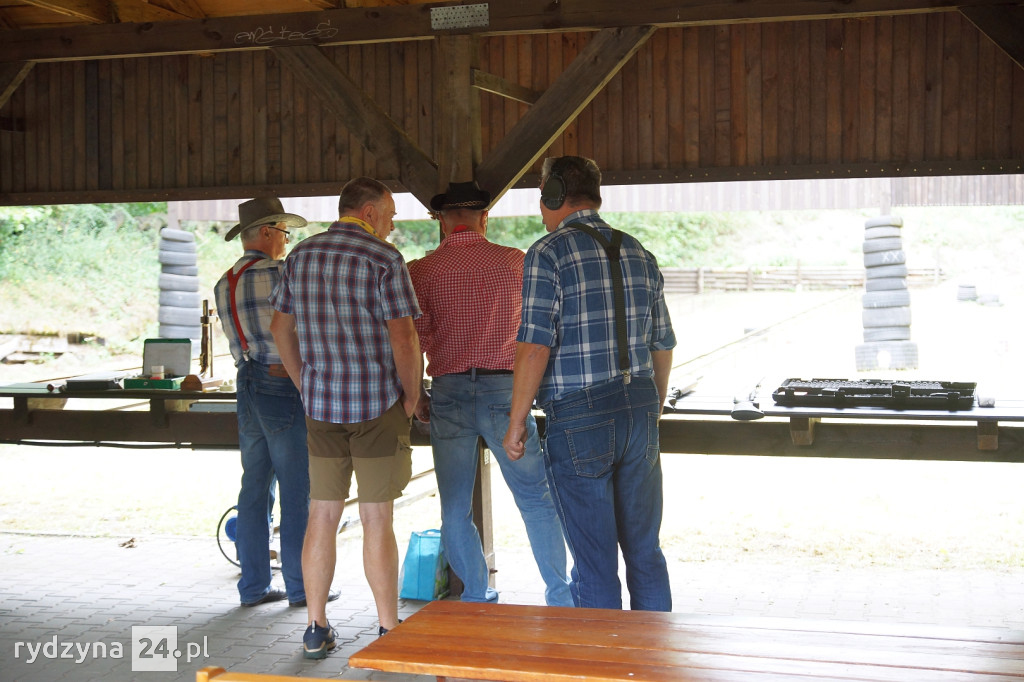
[(702, 280)]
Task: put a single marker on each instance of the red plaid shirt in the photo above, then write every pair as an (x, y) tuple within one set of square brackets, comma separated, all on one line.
[(471, 295)]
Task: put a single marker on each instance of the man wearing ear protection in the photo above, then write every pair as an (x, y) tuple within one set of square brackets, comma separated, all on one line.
[(595, 348), (469, 291)]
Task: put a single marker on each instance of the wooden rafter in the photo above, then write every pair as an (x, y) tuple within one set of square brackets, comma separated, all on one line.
[(184, 8), (363, 117), (1003, 24), (573, 90), (11, 76), (140, 11), (89, 11), (405, 22)]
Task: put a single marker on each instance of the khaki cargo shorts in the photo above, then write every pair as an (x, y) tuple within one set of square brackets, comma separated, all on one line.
[(377, 451)]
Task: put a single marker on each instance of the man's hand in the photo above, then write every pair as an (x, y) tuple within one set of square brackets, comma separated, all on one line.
[(423, 409), (410, 403), (515, 440)]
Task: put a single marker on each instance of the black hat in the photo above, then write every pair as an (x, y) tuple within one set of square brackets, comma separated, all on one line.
[(462, 195), (262, 212)]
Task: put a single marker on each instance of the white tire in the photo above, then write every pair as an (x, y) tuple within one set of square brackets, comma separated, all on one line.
[(177, 235), (886, 334), (176, 258), (881, 232), (886, 299), (878, 271), (181, 299), (182, 317), (183, 247), (173, 331), (178, 282), (886, 317), (892, 220), (886, 355), (885, 284), (872, 260), (887, 244), (189, 270)]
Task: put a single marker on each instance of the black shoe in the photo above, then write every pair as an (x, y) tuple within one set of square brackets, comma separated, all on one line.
[(381, 631), (273, 595), (331, 596)]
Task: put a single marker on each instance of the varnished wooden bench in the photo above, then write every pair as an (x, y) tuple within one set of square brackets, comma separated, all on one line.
[(455, 640), (217, 674)]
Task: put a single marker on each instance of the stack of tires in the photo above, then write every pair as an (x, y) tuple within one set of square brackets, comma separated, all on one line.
[(180, 306), (886, 313)]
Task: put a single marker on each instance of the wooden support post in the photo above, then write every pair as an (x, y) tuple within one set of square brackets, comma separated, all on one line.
[(801, 430), (158, 413), (481, 517), (457, 110), (988, 435), (482, 507)]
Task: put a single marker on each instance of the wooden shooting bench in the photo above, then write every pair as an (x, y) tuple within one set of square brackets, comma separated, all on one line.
[(463, 641)]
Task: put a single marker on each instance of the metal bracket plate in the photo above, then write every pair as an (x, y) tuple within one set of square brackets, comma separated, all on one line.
[(461, 16)]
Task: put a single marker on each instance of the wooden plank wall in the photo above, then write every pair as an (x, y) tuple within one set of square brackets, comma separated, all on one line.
[(830, 98), (226, 120), (763, 97)]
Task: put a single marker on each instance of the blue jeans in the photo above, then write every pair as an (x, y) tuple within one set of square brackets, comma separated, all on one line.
[(602, 451), (272, 438), (463, 408)]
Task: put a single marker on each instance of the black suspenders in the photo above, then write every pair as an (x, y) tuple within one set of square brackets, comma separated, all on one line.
[(618, 291)]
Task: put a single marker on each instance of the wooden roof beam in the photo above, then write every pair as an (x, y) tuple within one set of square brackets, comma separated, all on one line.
[(412, 22), (573, 90), (1003, 24), (357, 112)]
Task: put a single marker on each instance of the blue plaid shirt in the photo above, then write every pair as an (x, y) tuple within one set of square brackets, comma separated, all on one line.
[(254, 311), (342, 286), (568, 306)]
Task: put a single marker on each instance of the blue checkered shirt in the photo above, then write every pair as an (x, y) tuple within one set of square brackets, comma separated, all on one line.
[(568, 306), (342, 286), (254, 310)]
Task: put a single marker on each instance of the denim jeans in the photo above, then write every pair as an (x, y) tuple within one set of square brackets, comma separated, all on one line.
[(463, 408), (602, 451), (272, 438)]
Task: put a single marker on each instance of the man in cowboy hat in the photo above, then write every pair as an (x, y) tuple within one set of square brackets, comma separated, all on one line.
[(343, 320), (470, 293), (271, 425)]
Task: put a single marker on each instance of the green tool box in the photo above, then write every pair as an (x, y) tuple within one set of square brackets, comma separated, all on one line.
[(175, 355)]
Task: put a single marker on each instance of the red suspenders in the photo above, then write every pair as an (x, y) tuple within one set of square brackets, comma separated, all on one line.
[(233, 278)]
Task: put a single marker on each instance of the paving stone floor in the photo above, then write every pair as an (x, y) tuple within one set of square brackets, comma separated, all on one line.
[(60, 595)]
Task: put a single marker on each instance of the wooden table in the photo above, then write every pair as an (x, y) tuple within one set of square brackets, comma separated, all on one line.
[(455, 640), (106, 416)]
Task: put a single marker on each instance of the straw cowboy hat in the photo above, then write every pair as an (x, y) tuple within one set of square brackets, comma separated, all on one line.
[(461, 195), (267, 211)]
